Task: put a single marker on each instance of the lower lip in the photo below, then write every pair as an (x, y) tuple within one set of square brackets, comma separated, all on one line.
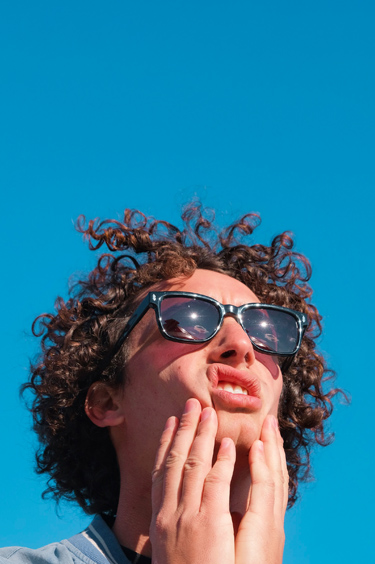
[(242, 401)]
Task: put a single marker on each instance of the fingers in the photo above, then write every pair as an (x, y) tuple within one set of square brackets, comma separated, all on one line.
[(185, 527), (216, 492), (285, 472), (183, 475), (276, 462), (261, 531), (199, 462), (262, 486), (269, 476), (161, 455), (173, 454), (184, 457)]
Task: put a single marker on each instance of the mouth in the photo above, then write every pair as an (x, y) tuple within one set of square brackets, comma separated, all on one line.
[(232, 388)]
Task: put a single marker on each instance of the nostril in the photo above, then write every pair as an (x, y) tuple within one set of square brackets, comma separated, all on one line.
[(229, 353)]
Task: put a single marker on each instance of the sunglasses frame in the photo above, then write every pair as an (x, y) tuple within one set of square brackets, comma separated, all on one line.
[(154, 299)]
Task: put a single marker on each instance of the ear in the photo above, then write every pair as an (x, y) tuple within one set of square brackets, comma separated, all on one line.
[(103, 406)]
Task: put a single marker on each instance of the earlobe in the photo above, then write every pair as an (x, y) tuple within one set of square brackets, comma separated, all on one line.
[(102, 405)]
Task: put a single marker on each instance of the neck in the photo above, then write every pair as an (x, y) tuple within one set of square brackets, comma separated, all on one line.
[(133, 517)]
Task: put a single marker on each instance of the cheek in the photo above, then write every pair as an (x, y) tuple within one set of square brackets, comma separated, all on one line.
[(269, 362), (157, 379), (275, 407), (273, 384), (278, 386)]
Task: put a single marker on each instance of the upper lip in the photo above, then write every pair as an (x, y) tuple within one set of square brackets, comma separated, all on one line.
[(224, 373)]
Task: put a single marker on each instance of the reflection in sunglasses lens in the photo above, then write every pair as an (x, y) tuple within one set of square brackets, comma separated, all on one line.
[(271, 330), (189, 318), (195, 319)]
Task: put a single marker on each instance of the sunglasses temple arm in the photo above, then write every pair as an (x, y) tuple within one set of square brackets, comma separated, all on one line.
[(287, 363), (134, 319)]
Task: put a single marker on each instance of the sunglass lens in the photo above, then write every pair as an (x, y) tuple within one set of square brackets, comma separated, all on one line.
[(271, 330), (188, 319)]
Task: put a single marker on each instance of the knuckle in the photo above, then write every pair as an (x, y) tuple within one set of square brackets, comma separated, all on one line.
[(157, 474), (281, 477), (224, 458), (164, 441), (174, 458), (267, 483), (193, 463), (185, 521), (185, 423), (279, 533), (270, 484), (214, 479), (161, 524)]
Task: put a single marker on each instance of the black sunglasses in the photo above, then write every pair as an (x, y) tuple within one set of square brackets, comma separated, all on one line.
[(186, 317)]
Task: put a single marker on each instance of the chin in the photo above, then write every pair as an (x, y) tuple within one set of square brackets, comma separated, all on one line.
[(241, 428)]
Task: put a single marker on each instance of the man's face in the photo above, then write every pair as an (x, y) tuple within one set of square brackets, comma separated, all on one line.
[(162, 374)]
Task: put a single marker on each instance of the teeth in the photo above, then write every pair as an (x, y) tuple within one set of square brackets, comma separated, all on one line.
[(232, 389)]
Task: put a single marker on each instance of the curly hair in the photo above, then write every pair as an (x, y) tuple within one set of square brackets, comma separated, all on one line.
[(77, 342)]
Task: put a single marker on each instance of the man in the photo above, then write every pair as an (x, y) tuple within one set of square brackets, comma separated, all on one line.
[(177, 394)]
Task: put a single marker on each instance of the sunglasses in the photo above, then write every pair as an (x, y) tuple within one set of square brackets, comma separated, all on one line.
[(185, 317)]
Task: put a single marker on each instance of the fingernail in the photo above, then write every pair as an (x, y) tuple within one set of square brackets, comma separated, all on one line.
[(275, 423), (190, 405), (226, 444), (170, 423), (206, 414)]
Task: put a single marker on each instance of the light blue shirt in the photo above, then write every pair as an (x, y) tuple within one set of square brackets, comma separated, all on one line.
[(95, 545)]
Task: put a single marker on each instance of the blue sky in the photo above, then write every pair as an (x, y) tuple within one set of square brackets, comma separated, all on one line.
[(265, 107)]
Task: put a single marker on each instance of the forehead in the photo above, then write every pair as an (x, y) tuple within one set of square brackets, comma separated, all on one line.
[(221, 287)]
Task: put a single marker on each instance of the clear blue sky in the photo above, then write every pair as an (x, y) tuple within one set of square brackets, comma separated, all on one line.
[(253, 106)]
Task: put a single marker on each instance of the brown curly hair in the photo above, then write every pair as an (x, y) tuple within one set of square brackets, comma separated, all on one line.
[(77, 342)]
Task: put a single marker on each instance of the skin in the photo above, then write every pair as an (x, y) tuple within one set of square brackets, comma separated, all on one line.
[(219, 469), (191, 498)]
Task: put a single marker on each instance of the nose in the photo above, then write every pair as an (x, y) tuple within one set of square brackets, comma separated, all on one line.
[(232, 345)]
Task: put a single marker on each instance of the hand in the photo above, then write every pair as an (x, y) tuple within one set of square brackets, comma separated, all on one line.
[(260, 537), (191, 521)]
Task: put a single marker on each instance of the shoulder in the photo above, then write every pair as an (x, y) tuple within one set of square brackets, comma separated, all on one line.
[(95, 545), (55, 553)]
